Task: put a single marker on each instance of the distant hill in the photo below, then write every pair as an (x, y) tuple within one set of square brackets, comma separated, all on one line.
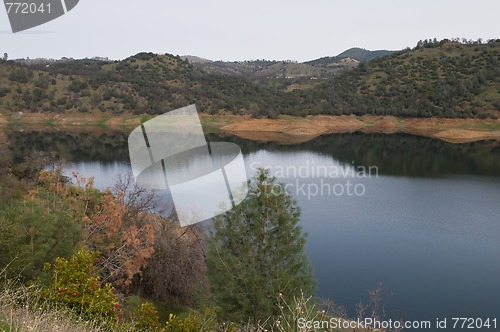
[(444, 78), (288, 69), (143, 83), (361, 54), (265, 69), (358, 54), (195, 59), (236, 68), (270, 69)]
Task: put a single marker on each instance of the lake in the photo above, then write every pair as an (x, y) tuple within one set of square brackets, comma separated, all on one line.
[(418, 214)]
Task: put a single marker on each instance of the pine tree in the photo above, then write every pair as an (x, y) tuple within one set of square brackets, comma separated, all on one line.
[(256, 253), (36, 230)]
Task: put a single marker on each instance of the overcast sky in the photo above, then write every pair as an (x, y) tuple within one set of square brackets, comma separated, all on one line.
[(244, 30)]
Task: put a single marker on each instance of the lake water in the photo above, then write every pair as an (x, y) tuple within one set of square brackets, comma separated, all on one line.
[(424, 221)]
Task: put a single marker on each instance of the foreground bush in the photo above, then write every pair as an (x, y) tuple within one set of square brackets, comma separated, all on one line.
[(24, 308), (147, 318), (194, 321), (76, 284)]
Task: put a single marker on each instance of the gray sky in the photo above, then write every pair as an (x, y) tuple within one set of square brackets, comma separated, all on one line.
[(244, 30)]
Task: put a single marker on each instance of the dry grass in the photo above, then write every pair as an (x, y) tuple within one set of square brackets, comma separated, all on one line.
[(22, 308)]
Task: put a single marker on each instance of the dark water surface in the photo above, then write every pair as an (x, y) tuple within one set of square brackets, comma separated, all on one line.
[(425, 221)]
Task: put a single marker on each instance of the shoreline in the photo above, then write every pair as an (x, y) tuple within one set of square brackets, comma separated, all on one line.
[(300, 130), (285, 129)]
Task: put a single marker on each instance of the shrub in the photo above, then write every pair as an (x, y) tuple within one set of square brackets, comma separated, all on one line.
[(23, 308), (76, 284), (194, 322), (147, 317)]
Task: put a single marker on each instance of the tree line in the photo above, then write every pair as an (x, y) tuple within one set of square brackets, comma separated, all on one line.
[(436, 78)]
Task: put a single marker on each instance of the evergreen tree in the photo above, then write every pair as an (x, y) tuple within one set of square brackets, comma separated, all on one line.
[(36, 230), (256, 253)]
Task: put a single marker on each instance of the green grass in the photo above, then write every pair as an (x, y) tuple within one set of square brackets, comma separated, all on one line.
[(400, 123), (289, 117), (213, 123), (485, 126), (49, 122), (4, 326), (102, 122)]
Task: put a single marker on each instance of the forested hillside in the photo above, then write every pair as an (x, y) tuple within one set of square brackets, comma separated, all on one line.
[(435, 79), (144, 83), (445, 78)]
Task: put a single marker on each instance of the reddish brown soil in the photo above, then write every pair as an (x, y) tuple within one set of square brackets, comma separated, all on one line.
[(289, 130), (299, 130)]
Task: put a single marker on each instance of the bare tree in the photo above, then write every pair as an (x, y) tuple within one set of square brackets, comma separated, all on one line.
[(375, 309), (121, 227), (177, 268)]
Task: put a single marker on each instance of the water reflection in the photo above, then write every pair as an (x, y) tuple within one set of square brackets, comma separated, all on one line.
[(396, 154)]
